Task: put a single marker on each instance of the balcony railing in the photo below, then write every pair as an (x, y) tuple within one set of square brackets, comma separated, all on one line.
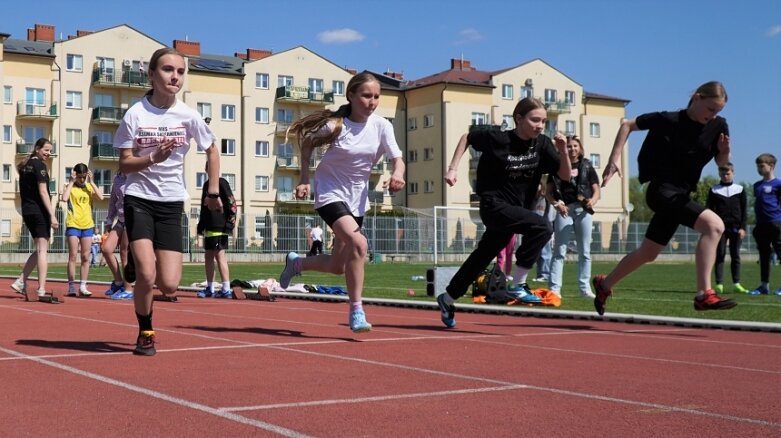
[(107, 114), (103, 151), (25, 148), (304, 95), (558, 107), (36, 109), (290, 197), (111, 77), (281, 129)]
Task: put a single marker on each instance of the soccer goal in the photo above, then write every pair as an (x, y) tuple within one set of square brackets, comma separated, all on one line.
[(456, 232)]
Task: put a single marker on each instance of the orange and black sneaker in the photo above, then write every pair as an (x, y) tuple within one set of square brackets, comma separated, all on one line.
[(712, 301), (601, 293), (145, 344)]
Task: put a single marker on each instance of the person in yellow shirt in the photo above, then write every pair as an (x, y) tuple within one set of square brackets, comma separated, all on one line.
[(79, 225)]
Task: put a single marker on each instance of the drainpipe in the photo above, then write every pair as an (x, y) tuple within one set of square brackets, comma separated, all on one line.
[(443, 201)]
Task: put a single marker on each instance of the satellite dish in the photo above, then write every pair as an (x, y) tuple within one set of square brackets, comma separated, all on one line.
[(630, 207)]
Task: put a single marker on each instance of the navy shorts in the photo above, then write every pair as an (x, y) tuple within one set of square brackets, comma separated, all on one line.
[(160, 222), (672, 206), (333, 211)]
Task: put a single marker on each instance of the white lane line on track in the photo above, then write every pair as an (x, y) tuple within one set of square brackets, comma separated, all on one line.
[(372, 399), (161, 396)]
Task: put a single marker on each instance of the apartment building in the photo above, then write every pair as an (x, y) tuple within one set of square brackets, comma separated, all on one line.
[(75, 91)]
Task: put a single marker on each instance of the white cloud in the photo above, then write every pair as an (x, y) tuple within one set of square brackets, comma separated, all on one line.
[(340, 36), (469, 35), (774, 31)]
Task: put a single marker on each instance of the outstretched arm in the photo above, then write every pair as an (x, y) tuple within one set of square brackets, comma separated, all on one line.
[(452, 170), (614, 162)]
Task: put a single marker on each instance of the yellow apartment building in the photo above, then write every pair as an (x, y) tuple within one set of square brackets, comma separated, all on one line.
[(75, 91)]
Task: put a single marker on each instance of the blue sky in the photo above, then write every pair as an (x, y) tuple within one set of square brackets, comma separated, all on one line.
[(654, 53)]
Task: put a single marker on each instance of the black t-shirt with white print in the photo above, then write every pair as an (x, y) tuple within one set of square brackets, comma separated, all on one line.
[(31, 174), (510, 169)]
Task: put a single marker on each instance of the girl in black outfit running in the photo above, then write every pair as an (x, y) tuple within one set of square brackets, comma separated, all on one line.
[(508, 175), (678, 145)]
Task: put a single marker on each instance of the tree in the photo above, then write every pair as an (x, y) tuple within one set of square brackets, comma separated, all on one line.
[(641, 212)]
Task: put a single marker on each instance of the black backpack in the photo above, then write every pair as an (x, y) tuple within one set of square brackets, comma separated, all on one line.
[(492, 283)]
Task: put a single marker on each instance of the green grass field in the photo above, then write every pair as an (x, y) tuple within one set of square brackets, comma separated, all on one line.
[(662, 289)]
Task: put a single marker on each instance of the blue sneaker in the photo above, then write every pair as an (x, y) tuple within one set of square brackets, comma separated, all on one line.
[(223, 294), (122, 295), (522, 293), (114, 289), (290, 270), (778, 292), (760, 290), (204, 293), (358, 323), (448, 311)]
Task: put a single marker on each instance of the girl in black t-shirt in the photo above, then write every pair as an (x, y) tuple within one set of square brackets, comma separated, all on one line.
[(508, 176), (678, 145), (37, 212)]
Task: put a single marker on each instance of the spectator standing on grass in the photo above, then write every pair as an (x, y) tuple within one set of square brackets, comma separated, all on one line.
[(574, 201), (216, 226), (509, 172), (316, 233), (153, 139), (543, 208), (116, 235), (97, 240), (37, 213), (767, 209), (728, 200), (678, 145), (79, 225), (355, 139)]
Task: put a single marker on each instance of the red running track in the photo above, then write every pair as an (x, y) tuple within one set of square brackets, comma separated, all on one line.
[(293, 368)]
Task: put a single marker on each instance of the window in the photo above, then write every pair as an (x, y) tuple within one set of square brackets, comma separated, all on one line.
[(200, 179), (285, 116), (507, 91), (284, 81), (507, 122), (569, 97), (315, 85), (593, 129), (228, 146), (104, 137), (73, 99), (34, 96), (428, 154), (412, 155), (261, 81), (285, 184), (595, 160), (8, 94), (6, 172), (428, 120), (104, 100), (478, 118), (551, 126), (260, 226), (31, 134), (72, 137), (102, 179), (106, 66), (412, 123), (74, 62), (527, 92), (231, 178), (261, 149), (569, 127), (285, 150), (550, 95), (5, 228), (428, 186), (204, 109), (228, 113), (68, 172), (413, 187), (261, 183), (7, 133), (338, 88), (261, 115)]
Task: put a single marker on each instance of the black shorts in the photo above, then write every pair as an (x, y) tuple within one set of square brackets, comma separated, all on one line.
[(215, 243), (160, 222), (333, 211), (38, 224), (672, 206)]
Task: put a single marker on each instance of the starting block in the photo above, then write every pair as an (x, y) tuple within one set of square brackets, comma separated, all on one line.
[(51, 298), (166, 298), (261, 295)]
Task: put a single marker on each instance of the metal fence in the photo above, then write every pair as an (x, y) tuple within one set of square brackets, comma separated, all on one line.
[(400, 233)]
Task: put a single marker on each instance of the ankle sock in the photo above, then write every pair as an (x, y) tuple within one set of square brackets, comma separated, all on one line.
[(356, 305), (144, 322)]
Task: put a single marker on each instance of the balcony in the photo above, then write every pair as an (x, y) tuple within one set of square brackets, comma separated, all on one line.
[(558, 107), (281, 130), (304, 95), (287, 162), (379, 168), (28, 109), (103, 151), (125, 78), (107, 115), (25, 148), (290, 198)]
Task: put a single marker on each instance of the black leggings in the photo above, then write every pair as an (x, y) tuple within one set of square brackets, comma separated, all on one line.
[(734, 254), (768, 237), (502, 221)]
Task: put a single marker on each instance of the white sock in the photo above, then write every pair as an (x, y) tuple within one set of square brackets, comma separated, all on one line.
[(211, 286), (83, 284), (226, 286), (520, 274)]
